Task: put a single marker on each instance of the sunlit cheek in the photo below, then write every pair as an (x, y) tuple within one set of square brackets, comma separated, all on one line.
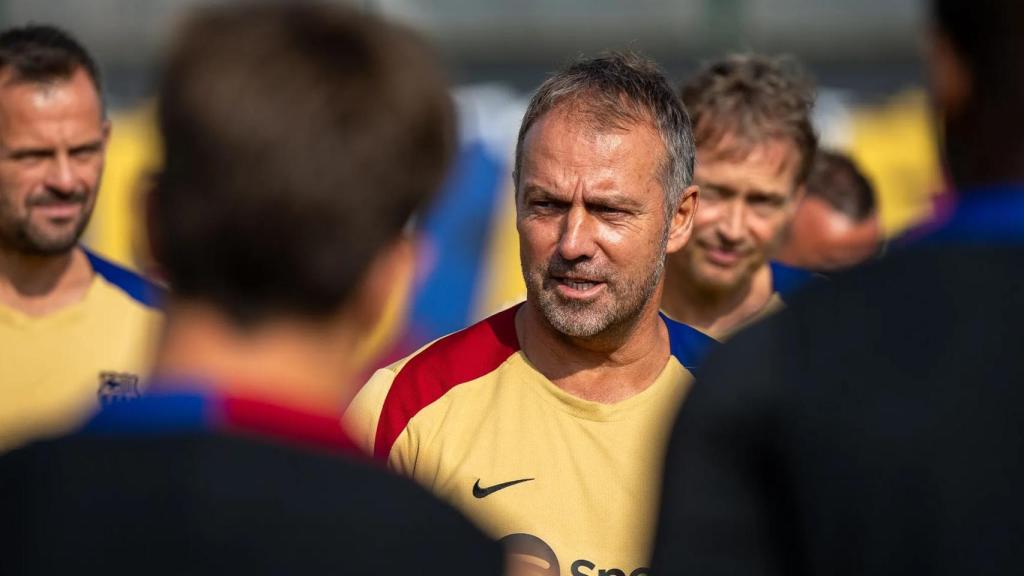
[(90, 173), (766, 230), (10, 203), (538, 238), (706, 216), (24, 173), (611, 242), (628, 247), (20, 188)]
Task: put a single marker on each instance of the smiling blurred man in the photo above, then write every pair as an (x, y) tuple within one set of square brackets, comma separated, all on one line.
[(876, 426), (73, 327), (545, 422), (755, 145)]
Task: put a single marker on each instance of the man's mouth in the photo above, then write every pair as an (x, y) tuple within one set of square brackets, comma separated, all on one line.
[(723, 257), (571, 287), (58, 210)]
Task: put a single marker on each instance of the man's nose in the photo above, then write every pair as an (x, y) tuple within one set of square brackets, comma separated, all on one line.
[(577, 239), (60, 177), (731, 224)]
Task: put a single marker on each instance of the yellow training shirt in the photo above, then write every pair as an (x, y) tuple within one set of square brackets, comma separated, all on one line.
[(568, 484), (55, 369)]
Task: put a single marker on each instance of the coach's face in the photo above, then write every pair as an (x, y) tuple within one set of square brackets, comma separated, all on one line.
[(52, 142), (590, 210), (746, 201)]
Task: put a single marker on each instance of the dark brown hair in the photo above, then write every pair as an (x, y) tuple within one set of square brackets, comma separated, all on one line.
[(299, 139), (753, 98), (43, 53), (836, 179)]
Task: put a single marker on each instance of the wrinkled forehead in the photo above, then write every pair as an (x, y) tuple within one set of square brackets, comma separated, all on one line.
[(580, 116), (563, 142), (604, 112), (577, 121), (75, 90)]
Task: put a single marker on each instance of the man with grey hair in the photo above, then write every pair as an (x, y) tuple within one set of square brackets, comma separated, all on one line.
[(546, 422)]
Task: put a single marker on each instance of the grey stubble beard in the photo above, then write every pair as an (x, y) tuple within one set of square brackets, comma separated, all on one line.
[(577, 319)]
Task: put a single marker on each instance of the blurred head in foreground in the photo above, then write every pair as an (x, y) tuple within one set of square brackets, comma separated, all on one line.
[(977, 88), (299, 141), (885, 402), (836, 224)]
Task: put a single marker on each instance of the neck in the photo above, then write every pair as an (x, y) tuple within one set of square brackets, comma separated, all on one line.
[(287, 362), (38, 285), (716, 312), (607, 368)]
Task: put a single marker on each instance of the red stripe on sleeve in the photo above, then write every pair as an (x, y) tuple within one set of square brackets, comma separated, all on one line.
[(452, 360)]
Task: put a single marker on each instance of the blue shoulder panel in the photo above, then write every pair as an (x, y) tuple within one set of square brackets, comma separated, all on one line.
[(991, 215), (688, 344), (156, 414), (141, 290), (787, 279)]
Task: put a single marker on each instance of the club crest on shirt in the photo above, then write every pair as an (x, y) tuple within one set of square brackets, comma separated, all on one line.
[(118, 387)]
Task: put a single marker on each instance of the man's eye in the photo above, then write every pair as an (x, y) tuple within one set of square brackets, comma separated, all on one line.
[(771, 201), (30, 156), (547, 205), (766, 205), (84, 152)]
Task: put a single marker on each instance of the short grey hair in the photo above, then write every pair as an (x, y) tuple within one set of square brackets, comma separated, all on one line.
[(617, 91)]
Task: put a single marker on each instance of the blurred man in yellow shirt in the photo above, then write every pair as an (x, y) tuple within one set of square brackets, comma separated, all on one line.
[(74, 328)]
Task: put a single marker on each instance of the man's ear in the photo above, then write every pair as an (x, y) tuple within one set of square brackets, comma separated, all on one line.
[(681, 227), (380, 303)]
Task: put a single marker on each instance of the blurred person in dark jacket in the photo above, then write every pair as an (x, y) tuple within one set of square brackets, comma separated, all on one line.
[(755, 145), (877, 425), (836, 223), (299, 141)]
